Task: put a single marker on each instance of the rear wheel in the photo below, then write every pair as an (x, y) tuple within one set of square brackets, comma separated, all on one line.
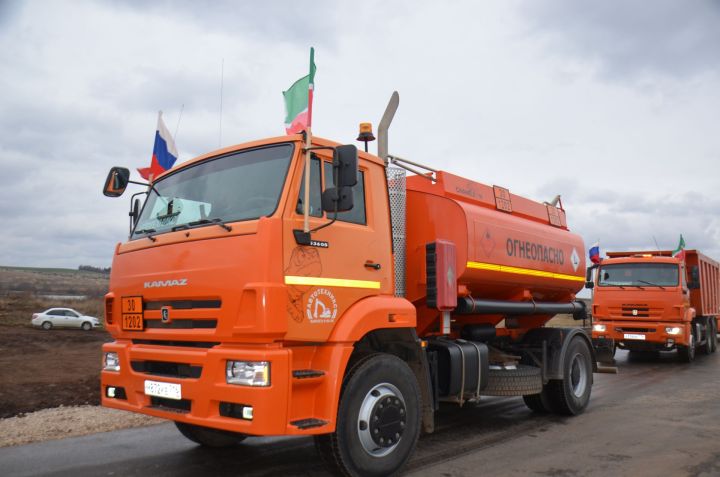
[(713, 334), (570, 396), (46, 325), (687, 353), (208, 437), (378, 420)]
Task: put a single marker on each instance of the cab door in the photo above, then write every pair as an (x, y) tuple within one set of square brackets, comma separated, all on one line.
[(347, 260)]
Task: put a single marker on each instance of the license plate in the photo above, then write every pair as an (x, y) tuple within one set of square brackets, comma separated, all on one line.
[(132, 322), (163, 390), (632, 336)]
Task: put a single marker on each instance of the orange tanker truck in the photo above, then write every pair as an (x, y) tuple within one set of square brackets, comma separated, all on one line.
[(652, 301), (247, 304)]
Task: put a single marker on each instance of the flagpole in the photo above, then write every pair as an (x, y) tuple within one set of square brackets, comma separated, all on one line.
[(308, 144)]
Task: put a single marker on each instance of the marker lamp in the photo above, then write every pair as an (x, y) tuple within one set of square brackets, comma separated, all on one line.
[(248, 373), (111, 362), (599, 328), (673, 330)]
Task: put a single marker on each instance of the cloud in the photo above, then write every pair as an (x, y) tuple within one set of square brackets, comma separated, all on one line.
[(633, 38), (625, 220)]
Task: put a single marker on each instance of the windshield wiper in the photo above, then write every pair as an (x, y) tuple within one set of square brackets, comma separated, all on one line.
[(201, 222), (651, 284), (146, 231)]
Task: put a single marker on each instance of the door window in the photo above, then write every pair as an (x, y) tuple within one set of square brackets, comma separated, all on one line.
[(315, 190), (356, 215)]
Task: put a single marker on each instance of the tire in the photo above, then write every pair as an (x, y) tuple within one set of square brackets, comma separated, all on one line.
[(525, 380), (570, 396), (707, 347), (208, 437), (378, 388), (46, 325), (86, 326), (687, 353), (713, 335), (537, 403)]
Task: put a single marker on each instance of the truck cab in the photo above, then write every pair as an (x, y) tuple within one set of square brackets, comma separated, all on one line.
[(642, 303)]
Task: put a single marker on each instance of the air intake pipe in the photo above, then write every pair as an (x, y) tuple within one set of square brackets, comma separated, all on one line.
[(474, 306)]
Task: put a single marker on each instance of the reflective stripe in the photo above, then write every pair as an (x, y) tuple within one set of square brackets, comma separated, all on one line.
[(331, 282), (523, 271)]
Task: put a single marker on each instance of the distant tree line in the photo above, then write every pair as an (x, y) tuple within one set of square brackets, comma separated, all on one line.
[(90, 268)]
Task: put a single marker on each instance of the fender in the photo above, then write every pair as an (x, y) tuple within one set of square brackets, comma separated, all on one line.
[(373, 313), (558, 340), (367, 315)]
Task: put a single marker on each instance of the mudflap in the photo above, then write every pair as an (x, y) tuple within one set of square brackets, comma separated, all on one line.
[(604, 350)]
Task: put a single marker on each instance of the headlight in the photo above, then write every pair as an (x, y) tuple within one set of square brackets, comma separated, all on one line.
[(673, 330), (599, 328), (111, 362), (248, 373)]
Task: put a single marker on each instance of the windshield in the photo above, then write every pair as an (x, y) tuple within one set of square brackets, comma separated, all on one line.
[(241, 186), (639, 274)]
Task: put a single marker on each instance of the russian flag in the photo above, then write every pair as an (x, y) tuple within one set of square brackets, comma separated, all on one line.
[(164, 152), (594, 253)]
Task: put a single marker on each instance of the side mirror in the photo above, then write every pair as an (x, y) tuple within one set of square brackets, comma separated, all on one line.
[(342, 196), (346, 162), (695, 274), (135, 212), (116, 182), (589, 277)]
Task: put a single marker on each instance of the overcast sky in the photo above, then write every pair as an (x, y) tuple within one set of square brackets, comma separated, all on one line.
[(614, 104)]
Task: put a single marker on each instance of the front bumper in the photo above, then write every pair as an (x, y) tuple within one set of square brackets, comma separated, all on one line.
[(205, 396), (641, 335)]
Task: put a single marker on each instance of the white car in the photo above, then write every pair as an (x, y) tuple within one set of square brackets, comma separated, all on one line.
[(64, 318)]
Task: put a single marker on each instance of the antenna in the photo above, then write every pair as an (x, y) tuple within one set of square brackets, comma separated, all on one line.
[(182, 108), (656, 244), (222, 77)]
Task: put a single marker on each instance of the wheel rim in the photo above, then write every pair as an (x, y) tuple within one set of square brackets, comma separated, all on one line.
[(578, 375), (381, 420)]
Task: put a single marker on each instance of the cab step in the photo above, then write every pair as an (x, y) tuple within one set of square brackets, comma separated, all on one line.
[(308, 423), (307, 373)]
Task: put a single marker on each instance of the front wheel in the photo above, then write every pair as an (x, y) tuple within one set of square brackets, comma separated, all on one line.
[(378, 420), (570, 396), (687, 353), (86, 326), (208, 437)]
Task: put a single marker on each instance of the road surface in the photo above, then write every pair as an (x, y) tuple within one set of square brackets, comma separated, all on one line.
[(656, 417)]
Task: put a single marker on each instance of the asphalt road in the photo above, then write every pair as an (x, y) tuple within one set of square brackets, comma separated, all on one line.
[(656, 417)]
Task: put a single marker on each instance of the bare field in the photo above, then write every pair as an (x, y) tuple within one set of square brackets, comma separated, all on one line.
[(41, 369)]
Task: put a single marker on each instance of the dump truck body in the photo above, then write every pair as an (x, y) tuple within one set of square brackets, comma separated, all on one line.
[(232, 321), (650, 301)]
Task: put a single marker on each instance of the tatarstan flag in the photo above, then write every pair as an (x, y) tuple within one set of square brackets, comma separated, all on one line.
[(298, 101), (679, 252)]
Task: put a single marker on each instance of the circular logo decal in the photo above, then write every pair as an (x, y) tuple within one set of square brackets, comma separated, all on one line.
[(321, 306)]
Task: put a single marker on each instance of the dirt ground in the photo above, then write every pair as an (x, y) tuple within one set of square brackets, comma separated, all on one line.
[(41, 369)]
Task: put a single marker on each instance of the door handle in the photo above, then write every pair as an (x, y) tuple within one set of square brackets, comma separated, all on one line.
[(373, 265)]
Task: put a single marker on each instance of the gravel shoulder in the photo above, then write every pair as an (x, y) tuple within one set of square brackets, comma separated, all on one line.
[(71, 421)]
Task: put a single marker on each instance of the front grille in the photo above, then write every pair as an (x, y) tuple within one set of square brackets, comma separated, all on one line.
[(181, 324), (634, 311), (181, 304), (181, 405), (171, 370), (636, 330), (181, 344)]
